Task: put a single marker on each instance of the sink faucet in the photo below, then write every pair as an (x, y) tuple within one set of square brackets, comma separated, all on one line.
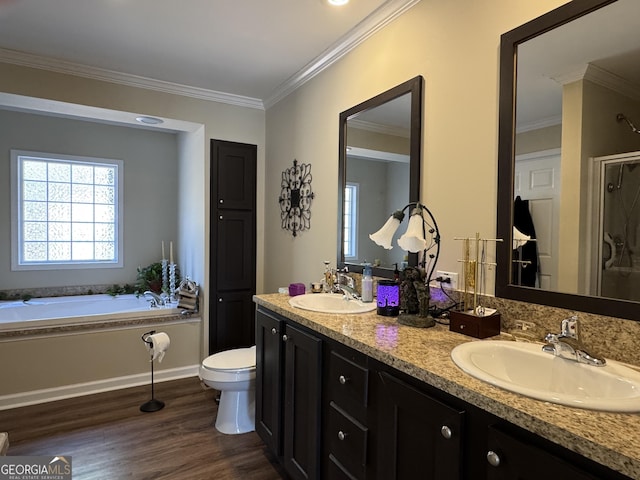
[(154, 299), (346, 285), (568, 345)]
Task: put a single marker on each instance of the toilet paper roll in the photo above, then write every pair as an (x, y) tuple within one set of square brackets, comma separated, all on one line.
[(159, 344)]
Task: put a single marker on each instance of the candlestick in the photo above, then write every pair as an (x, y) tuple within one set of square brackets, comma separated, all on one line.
[(165, 276), (172, 282), (171, 252)]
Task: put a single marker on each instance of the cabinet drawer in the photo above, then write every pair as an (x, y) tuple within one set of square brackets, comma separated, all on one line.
[(347, 441), (348, 382)]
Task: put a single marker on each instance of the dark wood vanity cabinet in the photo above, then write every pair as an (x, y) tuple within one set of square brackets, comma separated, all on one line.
[(288, 381), (348, 445), (509, 457), (417, 433), (328, 411)]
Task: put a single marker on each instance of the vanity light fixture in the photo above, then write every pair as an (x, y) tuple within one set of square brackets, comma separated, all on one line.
[(421, 225), (149, 120)]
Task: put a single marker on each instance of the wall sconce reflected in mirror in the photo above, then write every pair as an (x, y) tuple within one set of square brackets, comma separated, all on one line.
[(422, 234)]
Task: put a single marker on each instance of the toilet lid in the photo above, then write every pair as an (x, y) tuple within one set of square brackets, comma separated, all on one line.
[(236, 359)]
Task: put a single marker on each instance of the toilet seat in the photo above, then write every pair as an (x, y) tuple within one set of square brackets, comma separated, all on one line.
[(230, 366), (238, 359)]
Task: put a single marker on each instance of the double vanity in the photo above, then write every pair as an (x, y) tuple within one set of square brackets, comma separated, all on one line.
[(356, 396)]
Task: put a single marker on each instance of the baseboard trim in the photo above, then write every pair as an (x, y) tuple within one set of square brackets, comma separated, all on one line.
[(34, 397)]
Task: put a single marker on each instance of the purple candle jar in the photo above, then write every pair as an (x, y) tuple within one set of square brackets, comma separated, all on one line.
[(388, 298)]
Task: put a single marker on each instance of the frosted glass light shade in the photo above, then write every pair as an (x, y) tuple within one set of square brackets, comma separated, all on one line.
[(413, 239), (384, 236)]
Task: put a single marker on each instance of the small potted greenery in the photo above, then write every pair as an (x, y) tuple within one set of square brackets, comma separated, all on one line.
[(150, 278)]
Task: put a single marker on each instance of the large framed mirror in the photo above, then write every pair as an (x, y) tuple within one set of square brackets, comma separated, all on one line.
[(379, 172), (568, 151)]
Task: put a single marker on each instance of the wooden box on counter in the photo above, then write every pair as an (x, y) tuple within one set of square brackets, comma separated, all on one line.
[(474, 325)]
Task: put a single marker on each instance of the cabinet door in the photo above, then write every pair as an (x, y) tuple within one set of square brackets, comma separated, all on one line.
[(419, 436), (510, 458), (302, 404), (235, 247), (234, 174), (269, 358), (234, 326)]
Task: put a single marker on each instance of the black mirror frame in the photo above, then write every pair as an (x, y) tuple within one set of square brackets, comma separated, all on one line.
[(506, 151), (413, 86)]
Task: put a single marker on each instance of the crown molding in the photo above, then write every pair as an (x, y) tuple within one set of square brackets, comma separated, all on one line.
[(377, 20), (601, 77), (61, 66), (379, 128), (541, 123)]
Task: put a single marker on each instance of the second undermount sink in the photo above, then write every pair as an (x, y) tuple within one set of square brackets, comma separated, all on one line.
[(330, 303), (524, 368)]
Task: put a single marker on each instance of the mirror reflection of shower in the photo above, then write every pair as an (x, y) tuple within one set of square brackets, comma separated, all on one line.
[(620, 227), (621, 117)]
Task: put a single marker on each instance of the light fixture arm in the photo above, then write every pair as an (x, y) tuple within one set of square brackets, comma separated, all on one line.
[(436, 241)]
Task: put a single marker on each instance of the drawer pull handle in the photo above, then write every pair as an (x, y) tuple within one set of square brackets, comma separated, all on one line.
[(274, 331), (446, 432), (341, 435), (285, 338), (493, 458), (342, 379)]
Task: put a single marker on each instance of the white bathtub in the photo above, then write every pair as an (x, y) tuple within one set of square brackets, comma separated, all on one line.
[(38, 312)]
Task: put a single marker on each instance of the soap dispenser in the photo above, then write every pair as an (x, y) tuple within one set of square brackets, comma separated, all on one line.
[(367, 284)]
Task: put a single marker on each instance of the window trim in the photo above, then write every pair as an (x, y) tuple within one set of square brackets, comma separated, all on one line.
[(16, 213), (355, 187)]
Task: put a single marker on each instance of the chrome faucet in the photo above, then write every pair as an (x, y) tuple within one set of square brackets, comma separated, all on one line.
[(568, 345), (346, 285), (154, 299)]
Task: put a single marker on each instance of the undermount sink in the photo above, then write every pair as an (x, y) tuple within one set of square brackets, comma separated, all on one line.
[(330, 303), (525, 369)]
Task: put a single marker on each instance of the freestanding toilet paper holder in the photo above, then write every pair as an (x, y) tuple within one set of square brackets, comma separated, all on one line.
[(152, 405)]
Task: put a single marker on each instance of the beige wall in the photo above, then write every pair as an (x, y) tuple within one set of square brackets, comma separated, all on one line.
[(458, 55)]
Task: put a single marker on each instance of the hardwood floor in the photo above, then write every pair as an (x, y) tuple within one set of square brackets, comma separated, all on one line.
[(108, 438)]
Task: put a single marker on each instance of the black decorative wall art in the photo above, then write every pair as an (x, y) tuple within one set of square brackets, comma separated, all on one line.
[(295, 198)]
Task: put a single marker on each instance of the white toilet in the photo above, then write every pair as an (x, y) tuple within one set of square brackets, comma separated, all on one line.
[(233, 373)]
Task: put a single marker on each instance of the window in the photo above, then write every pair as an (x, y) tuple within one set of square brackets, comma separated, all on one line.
[(66, 211), (351, 221)]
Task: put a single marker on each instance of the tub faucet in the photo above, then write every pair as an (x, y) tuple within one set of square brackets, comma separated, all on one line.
[(568, 345), (154, 299)]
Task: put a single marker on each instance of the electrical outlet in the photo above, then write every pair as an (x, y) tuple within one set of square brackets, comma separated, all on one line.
[(452, 276)]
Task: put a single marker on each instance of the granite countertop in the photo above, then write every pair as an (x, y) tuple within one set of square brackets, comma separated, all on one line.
[(612, 439)]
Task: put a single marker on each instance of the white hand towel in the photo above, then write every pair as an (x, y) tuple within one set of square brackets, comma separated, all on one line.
[(159, 343), (519, 238)]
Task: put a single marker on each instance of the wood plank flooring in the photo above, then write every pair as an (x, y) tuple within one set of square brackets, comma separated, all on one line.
[(109, 438)]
